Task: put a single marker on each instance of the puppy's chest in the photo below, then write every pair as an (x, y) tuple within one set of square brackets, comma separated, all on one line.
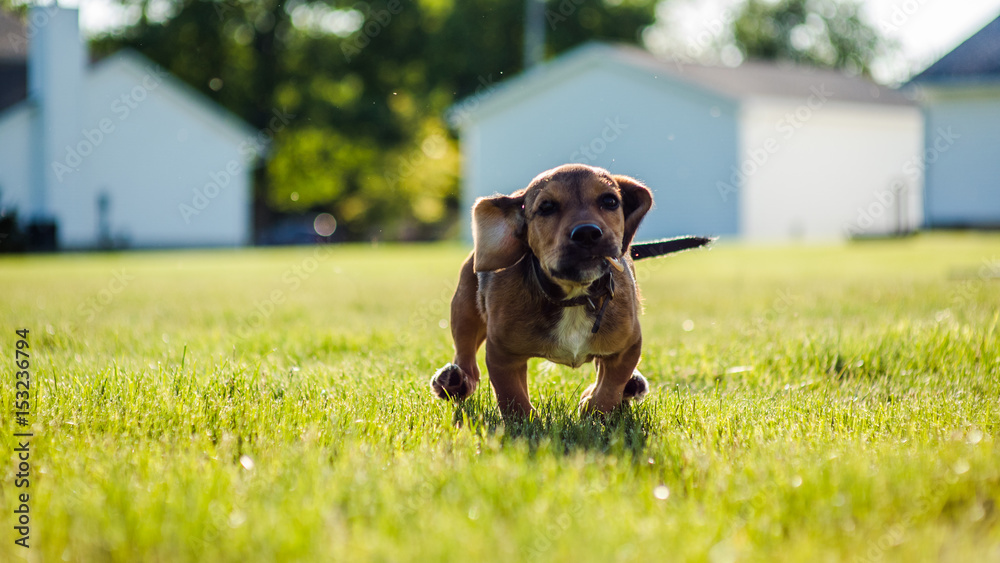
[(572, 337)]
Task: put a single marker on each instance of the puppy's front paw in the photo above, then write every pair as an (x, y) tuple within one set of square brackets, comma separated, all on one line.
[(450, 382), (637, 388)]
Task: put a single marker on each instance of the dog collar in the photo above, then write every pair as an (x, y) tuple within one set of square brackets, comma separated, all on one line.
[(603, 286)]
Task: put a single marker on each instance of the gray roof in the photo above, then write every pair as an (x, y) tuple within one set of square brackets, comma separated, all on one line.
[(977, 59), (759, 79), (752, 79), (770, 79)]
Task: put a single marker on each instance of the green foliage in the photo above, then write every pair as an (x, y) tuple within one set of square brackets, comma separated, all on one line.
[(808, 403), (571, 22), (18, 7), (367, 93), (314, 166), (830, 33), (389, 194)]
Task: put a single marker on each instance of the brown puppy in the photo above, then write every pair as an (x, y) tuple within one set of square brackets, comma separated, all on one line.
[(550, 276)]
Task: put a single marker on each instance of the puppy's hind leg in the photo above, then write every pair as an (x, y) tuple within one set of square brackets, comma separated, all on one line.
[(460, 378), (637, 388)]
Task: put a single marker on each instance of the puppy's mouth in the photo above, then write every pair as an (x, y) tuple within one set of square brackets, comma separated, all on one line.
[(585, 270)]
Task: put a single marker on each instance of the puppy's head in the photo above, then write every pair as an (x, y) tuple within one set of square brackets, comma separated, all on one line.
[(570, 217)]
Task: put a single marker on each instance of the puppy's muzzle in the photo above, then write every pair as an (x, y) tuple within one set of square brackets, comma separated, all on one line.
[(586, 235), (582, 258)]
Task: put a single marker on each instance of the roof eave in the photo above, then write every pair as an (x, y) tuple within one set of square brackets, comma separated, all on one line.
[(511, 91)]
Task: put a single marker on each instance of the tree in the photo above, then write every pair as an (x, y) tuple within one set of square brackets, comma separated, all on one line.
[(368, 85), (829, 33)]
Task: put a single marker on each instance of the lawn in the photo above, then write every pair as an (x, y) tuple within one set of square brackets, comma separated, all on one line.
[(809, 403)]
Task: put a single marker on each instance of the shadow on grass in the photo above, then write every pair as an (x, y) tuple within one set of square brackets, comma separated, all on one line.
[(558, 427)]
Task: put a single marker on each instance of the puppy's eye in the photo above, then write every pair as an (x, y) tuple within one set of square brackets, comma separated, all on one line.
[(609, 202), (547, 207)]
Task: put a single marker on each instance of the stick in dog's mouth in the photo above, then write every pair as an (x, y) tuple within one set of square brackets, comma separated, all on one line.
[(615, 262)]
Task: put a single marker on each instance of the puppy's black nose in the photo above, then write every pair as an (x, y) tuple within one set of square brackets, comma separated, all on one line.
[(586, 234)]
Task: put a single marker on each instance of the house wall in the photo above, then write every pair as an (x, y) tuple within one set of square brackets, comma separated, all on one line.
[(122, 152), (817, 169), (962, 145), (15, 154), (673, 137), (56, 64), (148, 149)]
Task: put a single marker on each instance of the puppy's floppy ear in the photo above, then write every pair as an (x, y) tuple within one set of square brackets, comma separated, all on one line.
[(636, 201), (498, 230)]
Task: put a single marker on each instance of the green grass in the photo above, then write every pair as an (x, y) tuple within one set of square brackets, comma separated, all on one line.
[(827, 404)]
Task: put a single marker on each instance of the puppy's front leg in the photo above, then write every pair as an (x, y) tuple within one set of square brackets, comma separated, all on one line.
[(613, 374), (459, 379), (509, 377)]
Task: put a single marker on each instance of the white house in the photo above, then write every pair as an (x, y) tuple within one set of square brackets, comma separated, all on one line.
[(961, 98), (119, 152), (760, 151)]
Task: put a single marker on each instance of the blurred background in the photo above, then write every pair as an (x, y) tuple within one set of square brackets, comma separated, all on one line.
[(194, 123)]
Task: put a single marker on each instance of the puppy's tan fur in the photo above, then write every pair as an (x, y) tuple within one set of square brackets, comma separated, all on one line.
[(499, 300)]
